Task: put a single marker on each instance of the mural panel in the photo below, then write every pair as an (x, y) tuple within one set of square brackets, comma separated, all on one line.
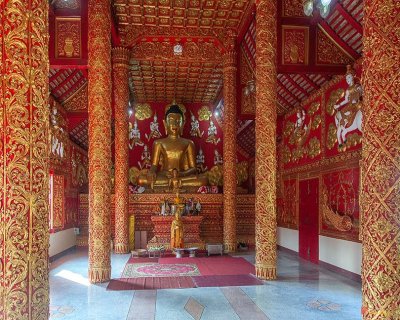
[(302, 135), (295, 43), (340, 212), (343, 114)]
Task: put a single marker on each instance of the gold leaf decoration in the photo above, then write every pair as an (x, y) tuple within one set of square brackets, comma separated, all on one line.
[(215, 176), (334, 97), (314, 147), (242, 172), (133, 175), (286, 155), (353, 139), (316, 122), (314, 108), (289, 127), (143, 111), (331, 139), (204, 114), (298, 154)]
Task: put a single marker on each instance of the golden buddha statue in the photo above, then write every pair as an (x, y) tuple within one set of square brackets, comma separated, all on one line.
[(173, 152)]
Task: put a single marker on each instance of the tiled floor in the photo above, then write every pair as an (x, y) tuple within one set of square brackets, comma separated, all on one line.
[(302, 291)]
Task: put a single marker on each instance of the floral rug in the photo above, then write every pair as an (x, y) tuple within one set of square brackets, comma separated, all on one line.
[(142, 270)]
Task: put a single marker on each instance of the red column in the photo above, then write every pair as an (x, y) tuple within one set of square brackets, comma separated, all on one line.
[(266, 77), (24, 158), (99, 112), (229, 148), (120, 59), (380, 186)]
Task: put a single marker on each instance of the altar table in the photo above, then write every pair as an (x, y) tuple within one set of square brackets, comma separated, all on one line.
[(162, 231)]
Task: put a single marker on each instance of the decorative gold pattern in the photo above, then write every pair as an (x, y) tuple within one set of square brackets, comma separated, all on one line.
[(380, 185), (229, 151), (205, 114), (77, 102), (99, 113), (195, 81), (68, 37), (120, 60), (248, 102), (328, 52), (295, 45), (180, 18), (297, 134), (24, 174), (266, 77), (143, 111), (58, 202), (164, 51), (70, 4), (216, 176), (292, 8)]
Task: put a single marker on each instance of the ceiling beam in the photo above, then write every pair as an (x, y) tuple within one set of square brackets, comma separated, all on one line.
[(294, 84), (77, 84), (349, 18), (326, 70)]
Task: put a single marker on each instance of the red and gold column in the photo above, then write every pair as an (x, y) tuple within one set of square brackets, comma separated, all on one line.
[(229, 149), (24, 157), (120, 62), (99, 112), (380, 187), (266, 77)]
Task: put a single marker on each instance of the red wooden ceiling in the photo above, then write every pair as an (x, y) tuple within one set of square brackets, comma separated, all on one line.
[(159, 80)]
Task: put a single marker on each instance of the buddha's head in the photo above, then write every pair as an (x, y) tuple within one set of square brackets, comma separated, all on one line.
[(174, 120)]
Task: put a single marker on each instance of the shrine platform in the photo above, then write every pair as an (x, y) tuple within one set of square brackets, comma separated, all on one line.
[(144, 206)]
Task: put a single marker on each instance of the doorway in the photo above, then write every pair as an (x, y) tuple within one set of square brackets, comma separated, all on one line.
[(308, 219)]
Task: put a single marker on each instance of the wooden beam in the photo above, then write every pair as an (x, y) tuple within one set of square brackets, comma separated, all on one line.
[(349, 18), (325, 70)]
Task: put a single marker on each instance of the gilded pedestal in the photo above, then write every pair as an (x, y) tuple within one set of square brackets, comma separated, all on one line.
[(266, 139), (229, 71), (99, 112), (120, 59), (24, 158), (380, 186)]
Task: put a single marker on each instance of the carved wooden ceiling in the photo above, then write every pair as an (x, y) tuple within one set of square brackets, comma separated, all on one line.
[(310, 51), (193, 16)]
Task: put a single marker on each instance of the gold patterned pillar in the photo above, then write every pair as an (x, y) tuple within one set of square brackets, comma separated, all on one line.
[(99, 112), (24, 157), (229, 148), (380, 186), (265, 175), (120, 60)]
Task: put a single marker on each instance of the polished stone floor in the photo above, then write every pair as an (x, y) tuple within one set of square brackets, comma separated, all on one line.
[(302, 291)]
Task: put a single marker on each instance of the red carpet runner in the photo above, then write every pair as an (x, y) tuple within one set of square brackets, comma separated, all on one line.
[(216, 271)]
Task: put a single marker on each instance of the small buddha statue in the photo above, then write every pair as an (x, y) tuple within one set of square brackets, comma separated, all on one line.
[(173, 152), (174, 183), (177, 229)]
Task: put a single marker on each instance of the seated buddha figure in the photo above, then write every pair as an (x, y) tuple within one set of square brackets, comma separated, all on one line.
[(173, 152)]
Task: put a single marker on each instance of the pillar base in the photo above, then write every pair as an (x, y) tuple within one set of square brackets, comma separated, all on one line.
[(229, 247), (380, 314), (121, 248), (265, 272), (97, 275)]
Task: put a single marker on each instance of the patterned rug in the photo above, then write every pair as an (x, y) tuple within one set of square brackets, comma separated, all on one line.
[(143, 270)]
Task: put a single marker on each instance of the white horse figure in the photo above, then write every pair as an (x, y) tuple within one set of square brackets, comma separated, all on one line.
[(353, 99), (342, 130)]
